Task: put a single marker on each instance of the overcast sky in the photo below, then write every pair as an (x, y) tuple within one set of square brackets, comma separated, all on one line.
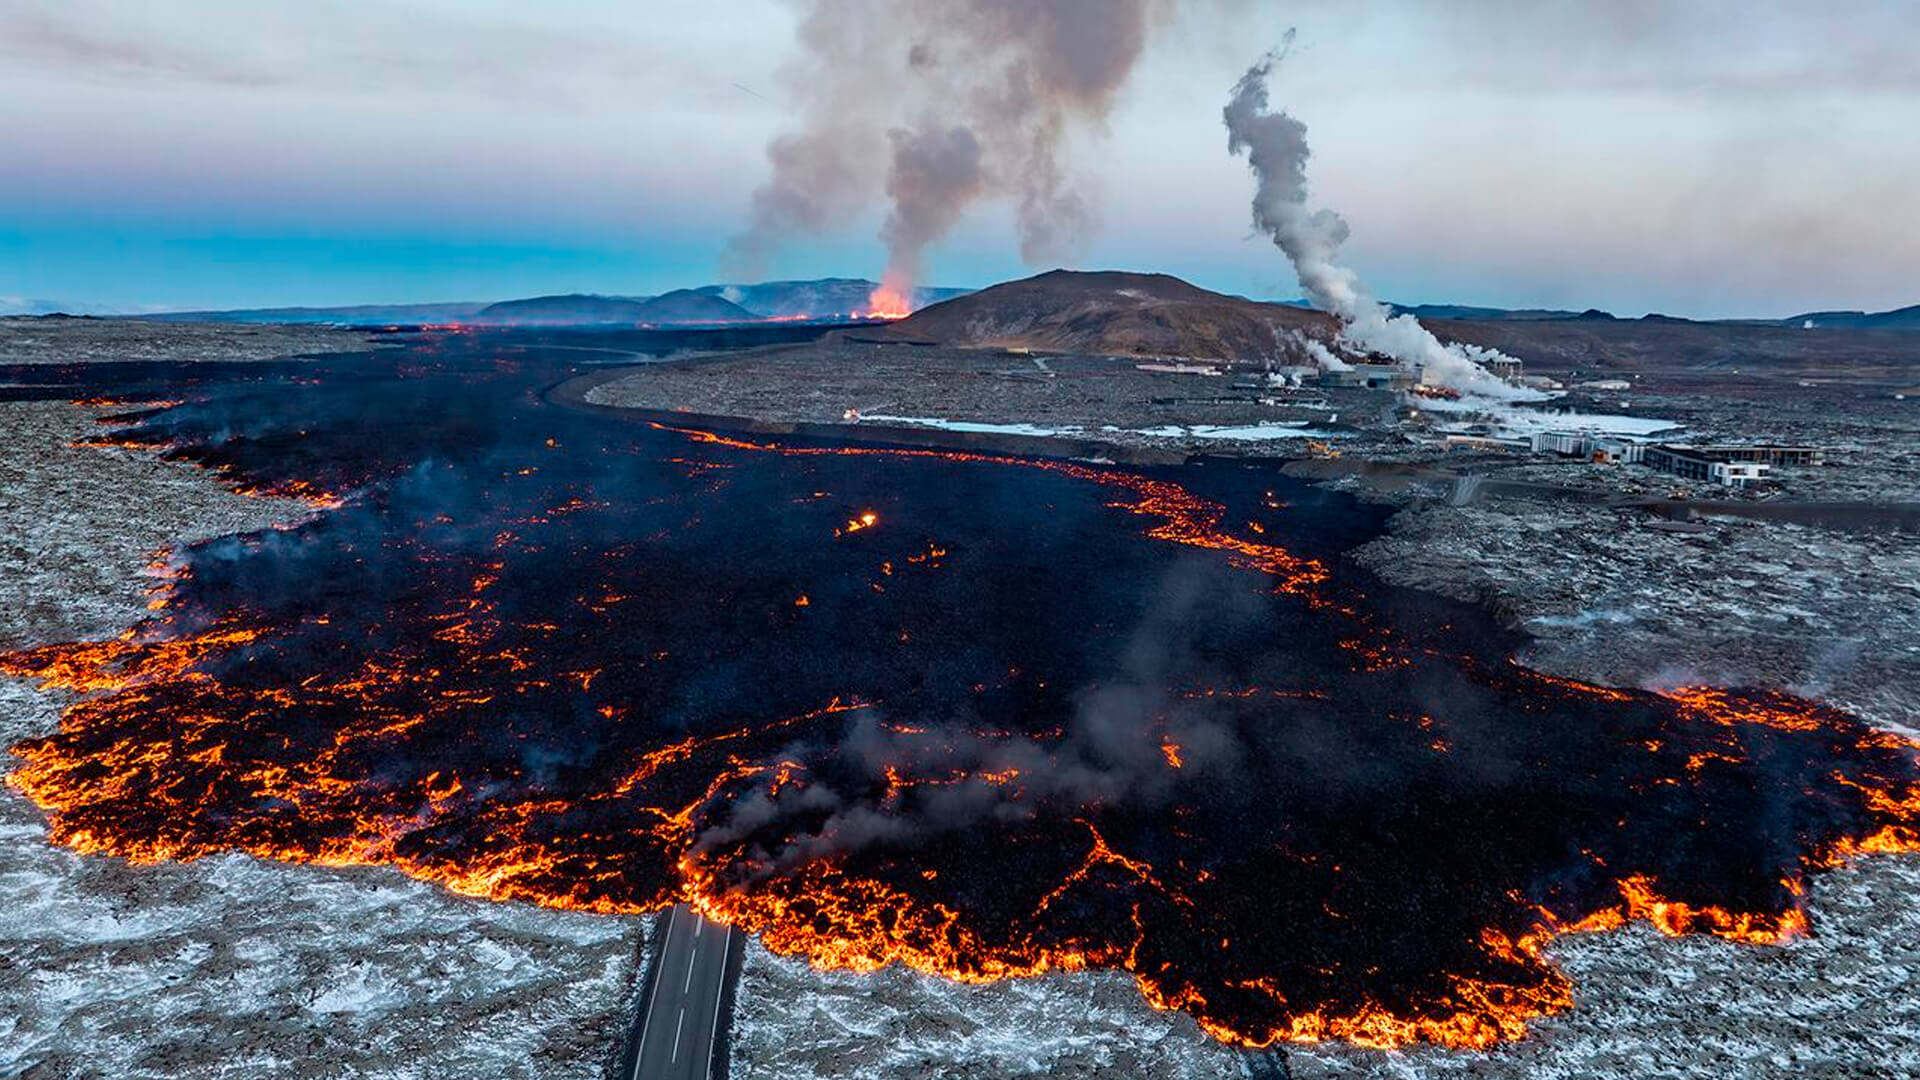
[(1697, 157)]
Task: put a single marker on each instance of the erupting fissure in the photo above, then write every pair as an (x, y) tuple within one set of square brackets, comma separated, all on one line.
[(982, 716)]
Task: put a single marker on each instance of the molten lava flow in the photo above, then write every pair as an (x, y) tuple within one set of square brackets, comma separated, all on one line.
[(983, 716)]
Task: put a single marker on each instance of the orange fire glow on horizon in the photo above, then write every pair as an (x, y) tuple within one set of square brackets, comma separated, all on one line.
[(888, 302)]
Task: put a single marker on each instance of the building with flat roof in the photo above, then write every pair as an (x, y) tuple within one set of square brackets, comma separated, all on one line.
[(1371, 376), (1732, 466)]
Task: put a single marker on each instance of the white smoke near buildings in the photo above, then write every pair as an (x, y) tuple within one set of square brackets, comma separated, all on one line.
[(1317, 351), (941, 104), (1276, 148)]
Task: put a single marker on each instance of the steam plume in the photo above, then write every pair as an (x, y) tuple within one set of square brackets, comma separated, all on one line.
[(941, 103), (1276, 149)]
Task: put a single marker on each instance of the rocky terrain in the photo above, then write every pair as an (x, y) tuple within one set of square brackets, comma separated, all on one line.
[(1107, 399), (233, 967), (57, 339)]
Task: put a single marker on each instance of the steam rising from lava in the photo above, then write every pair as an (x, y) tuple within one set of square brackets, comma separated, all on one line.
[(1114, 747), (951, 101), (1276, 149)]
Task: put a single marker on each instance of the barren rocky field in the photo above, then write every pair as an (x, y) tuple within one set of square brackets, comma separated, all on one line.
[(62, 340), (1109, 399)]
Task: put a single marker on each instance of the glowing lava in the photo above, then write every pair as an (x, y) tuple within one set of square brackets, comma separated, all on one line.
[(983, 716)]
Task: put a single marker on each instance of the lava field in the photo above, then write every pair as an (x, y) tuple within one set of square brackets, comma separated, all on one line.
[(983, 716)]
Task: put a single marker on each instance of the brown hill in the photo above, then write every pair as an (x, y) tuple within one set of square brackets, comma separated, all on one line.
[(1120, 314)]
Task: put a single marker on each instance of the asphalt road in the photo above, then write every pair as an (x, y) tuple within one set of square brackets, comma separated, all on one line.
[(680, 1020)]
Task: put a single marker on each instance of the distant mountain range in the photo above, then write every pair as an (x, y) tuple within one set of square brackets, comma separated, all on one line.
[(1463, 311), (357, 315), (682, 307), (829, 298), (826, 298), (27, 305), (1906, 318)]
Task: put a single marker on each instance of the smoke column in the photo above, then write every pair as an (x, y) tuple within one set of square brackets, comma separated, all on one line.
[(940, 104), (1276, 149)]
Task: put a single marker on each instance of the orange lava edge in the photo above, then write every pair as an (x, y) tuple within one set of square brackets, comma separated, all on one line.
[(869, 925)]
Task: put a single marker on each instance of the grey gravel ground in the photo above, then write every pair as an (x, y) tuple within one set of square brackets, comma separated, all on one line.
[(1105, 398), (234, 967), (66, 341)]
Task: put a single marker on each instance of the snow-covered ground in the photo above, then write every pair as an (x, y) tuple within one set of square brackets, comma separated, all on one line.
[(795, 1023), (974, 426), (234, 967), (1232, 432), (1516, 421), (1843, 1003)]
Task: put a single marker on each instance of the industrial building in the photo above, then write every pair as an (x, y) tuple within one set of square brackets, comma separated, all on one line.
[(1371, 376), (1503, 367), (1732, 466), (1586, 445)]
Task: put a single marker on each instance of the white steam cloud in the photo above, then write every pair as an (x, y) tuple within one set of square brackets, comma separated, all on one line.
[(1276, 148)]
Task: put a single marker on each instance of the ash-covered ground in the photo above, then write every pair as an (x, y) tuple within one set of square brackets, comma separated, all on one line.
[(58, 339), (900, 385), (235, 967)]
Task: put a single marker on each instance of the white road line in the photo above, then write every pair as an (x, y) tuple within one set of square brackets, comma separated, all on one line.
[(676, 1033), (647, 1020), (692, 955), (713, 1036)]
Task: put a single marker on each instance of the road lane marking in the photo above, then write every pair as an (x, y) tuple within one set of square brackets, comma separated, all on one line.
[(676, 1033), (646, 1019), (692, 955), (713, 1035)]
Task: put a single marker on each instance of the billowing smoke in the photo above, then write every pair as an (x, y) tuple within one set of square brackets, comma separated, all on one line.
[(1276, 149), (1314, 349), (940, 104), (876, 783)]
